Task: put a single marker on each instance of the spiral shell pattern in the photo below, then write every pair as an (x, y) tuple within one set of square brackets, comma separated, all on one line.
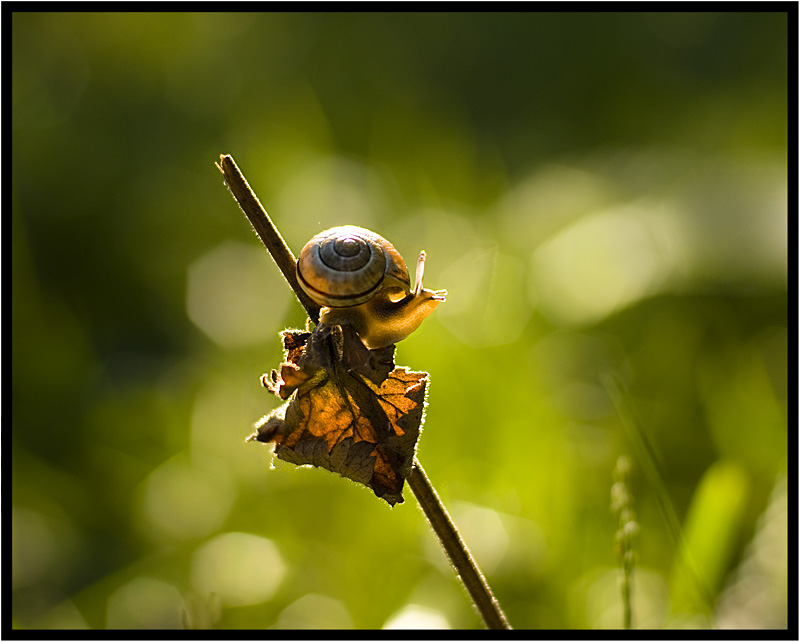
[(347, 266)]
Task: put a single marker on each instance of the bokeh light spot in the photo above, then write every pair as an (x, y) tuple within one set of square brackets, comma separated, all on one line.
[(32, 544), (329, 191), (183, 499), (601, 264), (315, 612), (486, 305), (241, 568), (484, 530), (415, 616), (236, 295), (144, 603)]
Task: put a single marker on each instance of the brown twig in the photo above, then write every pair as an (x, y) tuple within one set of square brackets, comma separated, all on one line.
[(420, 485), (456, 549)]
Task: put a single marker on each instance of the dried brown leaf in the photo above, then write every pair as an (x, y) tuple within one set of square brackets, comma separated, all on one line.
[(350, 410)]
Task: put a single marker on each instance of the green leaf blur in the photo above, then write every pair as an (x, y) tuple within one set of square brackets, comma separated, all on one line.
[(603, 195)]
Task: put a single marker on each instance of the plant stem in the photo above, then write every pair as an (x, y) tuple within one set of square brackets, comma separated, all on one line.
[(622, 505), (647, 455), (434, 510), (456, 549)]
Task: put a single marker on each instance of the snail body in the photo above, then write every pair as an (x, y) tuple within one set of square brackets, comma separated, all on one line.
[(361, 280)]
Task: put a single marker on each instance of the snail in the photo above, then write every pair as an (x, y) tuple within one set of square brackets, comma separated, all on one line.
[(362, 281)]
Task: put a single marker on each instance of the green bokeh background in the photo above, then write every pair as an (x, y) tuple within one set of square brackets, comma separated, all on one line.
[(604, 196)]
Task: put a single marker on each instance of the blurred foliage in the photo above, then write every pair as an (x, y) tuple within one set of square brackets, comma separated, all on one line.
[(604, 196)]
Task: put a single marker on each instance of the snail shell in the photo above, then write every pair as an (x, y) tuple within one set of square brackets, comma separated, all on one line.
[(362, 281), (348, 265)]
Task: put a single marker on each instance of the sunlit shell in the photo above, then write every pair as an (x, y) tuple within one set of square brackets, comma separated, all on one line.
[(346, 266)]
